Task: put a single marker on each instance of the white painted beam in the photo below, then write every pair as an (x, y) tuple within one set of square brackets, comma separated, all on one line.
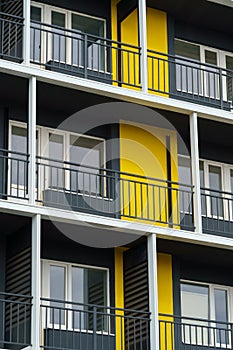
[(32, 139), (36, 282), (143, 43), (153, 291), (195, 171)]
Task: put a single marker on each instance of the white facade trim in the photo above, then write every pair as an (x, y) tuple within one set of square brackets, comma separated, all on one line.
[(107, 90), (143, 43), (153, 291), (195, 172)]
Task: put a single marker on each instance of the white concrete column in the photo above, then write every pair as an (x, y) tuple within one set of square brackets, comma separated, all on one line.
[(195, 171), (153, 291), (143, 43), (26, 30), (32, 139), (36, 282)]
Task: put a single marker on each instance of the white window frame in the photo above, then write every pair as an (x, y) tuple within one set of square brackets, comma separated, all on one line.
[(226, 187), (45, 292), (43, 139), (46, 16), (221, 62), (211, 305)]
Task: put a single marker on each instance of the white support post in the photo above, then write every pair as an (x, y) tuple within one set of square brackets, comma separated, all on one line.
[(36, 276), (195, 172), (153, 291), (143, 43), (26, 30), (32, 139)]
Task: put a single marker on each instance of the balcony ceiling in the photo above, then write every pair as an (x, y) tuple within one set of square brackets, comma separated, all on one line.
[(199, 12)]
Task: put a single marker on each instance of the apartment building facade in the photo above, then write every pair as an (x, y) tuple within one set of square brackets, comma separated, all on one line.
[(116, 175)]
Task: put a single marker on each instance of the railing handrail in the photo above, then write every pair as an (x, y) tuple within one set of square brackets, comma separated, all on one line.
[(215, 191), (16, 295), (139, 312), (180, 318), (10, 15), (73, 31), (189, 60), (14, 152), (111, 171)]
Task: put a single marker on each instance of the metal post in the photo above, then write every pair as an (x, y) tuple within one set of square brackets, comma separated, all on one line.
[(195, 172), (153, 291), (35, 319), (26, 30), (32, 139), (94, 328), (143, 43)]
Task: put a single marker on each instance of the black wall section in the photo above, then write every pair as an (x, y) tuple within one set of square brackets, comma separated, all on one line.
[(201, 35), (56, 246)]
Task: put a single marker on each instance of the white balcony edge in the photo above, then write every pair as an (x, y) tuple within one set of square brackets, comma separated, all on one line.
[(116, 225), (122, 93)]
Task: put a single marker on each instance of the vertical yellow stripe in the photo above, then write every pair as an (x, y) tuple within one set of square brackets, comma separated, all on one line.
[(165, 300), (119, 298)]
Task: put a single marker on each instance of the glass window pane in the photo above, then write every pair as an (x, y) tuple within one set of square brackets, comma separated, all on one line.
[(202, 184), (229, 65), (188, 74), (58, 40), (184, 168), (35, 13), (17, 163), (211, 75), (89, 286), (221, 314), (35, 35), (84, 152), (57, 292), (215, 183), (95, 46), (194, 305), (58, 19), (56, 172)]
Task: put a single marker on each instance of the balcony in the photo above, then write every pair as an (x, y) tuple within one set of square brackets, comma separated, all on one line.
[(70, 325), (192, 333), (118, 63), (100, 191), (15, 318)]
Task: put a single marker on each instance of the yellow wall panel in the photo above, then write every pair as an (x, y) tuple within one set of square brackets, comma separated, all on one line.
[(157, 40), (130, 59), (165, 300), (143, 152), (119, 297)]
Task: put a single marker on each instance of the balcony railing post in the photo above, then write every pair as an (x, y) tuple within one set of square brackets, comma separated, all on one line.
[(221, 87), (197, 217), (85, 56), (94, 328), (143, 44)]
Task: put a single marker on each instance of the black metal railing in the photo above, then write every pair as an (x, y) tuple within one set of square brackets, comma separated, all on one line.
[(193, 333), (14, 174), (85, 55), (15, 321), (113, 193), (191, 80), (70, 325), (11, 34), (217, 211)]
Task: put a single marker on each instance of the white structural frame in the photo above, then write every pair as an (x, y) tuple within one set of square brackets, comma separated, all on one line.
[(26, 31), (36, 282), (153, 291), (143, 44), (32, 139), (195, 172)]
